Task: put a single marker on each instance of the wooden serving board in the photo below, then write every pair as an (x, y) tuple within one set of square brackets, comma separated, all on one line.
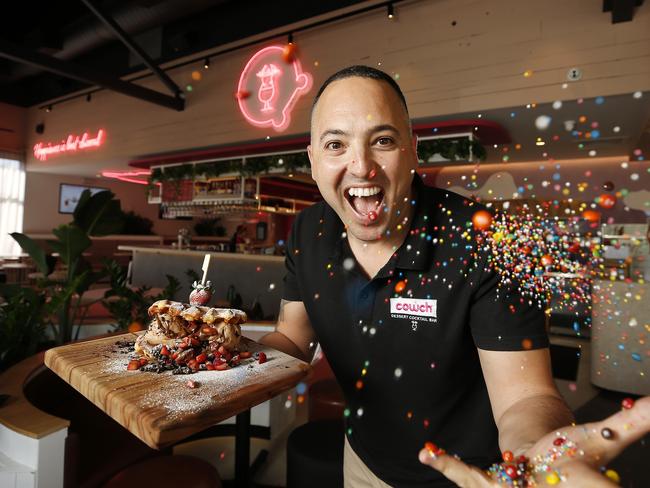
[(160, 408)]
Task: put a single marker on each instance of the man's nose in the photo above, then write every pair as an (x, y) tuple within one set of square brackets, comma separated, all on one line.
[(362, 165)]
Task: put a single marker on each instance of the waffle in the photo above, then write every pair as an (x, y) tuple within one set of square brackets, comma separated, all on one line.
[(172, 322)]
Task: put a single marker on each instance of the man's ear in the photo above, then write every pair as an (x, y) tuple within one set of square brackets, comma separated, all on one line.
[(311, 161)]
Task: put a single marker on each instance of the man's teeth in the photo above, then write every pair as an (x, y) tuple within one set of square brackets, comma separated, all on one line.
[(364, 192)]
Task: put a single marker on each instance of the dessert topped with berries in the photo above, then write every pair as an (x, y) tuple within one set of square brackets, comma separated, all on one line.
[(186, 338)]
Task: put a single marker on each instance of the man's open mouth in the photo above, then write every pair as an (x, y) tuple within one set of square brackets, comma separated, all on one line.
[(365, 200)]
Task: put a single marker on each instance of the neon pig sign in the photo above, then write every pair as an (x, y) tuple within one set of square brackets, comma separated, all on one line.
[(269, 87), (71, 144)]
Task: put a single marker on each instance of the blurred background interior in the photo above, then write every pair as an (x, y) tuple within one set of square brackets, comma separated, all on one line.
[(518, 104)]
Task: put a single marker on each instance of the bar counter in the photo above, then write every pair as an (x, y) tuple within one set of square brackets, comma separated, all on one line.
[(253, 276)]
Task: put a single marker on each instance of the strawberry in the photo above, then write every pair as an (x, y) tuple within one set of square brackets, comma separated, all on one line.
[(207, 330), (222, 367), (201, 358), (261, 358), (164, 351), (201, 294), (245, 354), (143, 362), (209, 366), (134, 365)]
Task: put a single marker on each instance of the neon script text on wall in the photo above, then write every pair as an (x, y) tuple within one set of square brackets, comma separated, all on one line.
[(269, 87), (72, 143)]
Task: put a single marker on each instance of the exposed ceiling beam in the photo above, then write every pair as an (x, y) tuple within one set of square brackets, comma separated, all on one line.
[(66, 69), (133, 47), (622, 10)]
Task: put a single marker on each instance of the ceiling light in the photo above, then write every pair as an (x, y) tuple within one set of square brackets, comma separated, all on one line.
[(391, 11), (49, 108), (206, 63)]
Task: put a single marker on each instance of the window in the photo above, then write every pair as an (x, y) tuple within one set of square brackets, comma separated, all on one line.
[(12, 199)]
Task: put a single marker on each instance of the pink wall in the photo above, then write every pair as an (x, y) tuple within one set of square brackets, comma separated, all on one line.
[(42, 201), (548, 180)]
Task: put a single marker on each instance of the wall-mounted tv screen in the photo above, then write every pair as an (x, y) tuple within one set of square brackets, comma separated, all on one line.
[(69, 196)]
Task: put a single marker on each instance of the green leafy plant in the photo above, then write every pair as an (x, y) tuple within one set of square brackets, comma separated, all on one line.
[(209, 227), (128, 304), (95, 215), (192, 276), (252, 166), (135, 224), (452, 149), (22, 329)]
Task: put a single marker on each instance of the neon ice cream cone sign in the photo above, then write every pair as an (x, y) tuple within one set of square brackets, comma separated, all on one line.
[(270, 86)]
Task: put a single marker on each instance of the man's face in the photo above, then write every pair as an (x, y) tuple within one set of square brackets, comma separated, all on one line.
[(363, 155)]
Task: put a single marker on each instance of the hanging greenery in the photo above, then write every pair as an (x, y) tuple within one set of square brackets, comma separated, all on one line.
[(451, 149), (251, 166)]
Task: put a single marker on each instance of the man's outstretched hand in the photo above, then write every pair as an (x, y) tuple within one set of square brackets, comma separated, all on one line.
[(571, 457)]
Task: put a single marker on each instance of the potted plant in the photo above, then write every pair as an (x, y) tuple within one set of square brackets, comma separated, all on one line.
[(95, 215), (22, 328)]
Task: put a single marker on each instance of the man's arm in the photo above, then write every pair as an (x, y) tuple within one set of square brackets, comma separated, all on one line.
[(294, 334), (525, 402)]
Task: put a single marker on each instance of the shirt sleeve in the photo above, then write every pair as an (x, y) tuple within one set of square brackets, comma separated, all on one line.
[(291, 289), (502, 320)]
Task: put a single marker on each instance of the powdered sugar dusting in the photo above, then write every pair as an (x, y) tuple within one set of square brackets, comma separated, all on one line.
[(175, 396)]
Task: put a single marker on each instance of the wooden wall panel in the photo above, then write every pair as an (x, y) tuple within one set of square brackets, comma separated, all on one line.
[(444, 69)]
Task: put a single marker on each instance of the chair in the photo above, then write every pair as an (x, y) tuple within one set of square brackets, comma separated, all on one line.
[(315, 455), (315, 449), (167, 471)]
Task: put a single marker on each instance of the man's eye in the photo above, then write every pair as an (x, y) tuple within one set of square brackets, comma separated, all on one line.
[(333, 145), (384, 141)]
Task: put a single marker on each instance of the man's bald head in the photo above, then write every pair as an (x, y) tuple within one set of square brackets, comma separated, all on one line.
[(362, 71)]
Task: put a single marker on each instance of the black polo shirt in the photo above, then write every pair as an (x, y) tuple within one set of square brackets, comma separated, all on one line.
[(403, 344)]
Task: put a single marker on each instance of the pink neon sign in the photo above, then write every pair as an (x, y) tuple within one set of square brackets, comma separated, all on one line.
[(269, 87), (129, 176), (71, 144)]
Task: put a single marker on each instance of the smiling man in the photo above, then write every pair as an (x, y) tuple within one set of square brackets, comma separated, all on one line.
[(387, 275)]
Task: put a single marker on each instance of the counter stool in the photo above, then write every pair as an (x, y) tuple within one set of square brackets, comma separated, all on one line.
[(315, 455), (326, 400), (167, 471)]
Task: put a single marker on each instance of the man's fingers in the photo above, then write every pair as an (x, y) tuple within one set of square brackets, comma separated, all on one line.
[(455, 470), (610, 436), (579, 475)]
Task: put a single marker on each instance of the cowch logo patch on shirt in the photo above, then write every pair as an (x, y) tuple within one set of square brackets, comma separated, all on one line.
[(414, 309)]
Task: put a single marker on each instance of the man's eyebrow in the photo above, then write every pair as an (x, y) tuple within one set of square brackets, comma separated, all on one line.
[(379, 128), (372, 130), (334, 132)]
